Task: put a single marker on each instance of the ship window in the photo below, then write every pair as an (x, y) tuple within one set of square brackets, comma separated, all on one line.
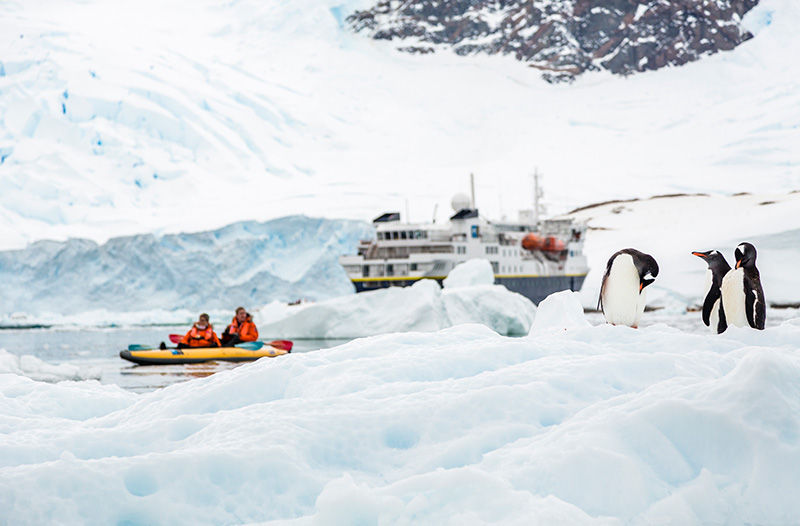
[(394, 235), (495, 267), (413, 266), (403, 235)]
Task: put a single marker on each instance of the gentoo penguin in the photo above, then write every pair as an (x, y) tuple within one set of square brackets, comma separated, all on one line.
[(742, 295), (622, 294), (713, 313)]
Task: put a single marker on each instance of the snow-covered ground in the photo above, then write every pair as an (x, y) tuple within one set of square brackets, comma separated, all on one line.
[(588, 425), (167, 115), (671, 228), (468, 296)]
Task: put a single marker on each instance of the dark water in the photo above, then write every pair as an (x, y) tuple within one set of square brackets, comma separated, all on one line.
[(96, 351)]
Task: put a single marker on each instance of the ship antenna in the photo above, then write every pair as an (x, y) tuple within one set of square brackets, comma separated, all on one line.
[(472, 188), (537, 193), (435, 207)]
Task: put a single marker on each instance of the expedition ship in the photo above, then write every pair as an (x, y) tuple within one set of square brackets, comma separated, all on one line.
[(531, 257)]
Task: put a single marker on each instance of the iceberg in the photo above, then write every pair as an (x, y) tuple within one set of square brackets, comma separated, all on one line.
[(33, 367), (423, 306), (593, 425)]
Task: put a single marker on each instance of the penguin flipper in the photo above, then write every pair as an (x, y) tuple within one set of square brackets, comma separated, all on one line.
[(722, 325), (602, 290), (760, 315), (750, 307), (708, 305), (759, 309)]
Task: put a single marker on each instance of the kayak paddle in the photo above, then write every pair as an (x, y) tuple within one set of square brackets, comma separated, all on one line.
[(285, 345)]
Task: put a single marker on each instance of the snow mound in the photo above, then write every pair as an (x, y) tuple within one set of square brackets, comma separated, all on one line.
[(470, 273), (33, 367), (597, 425), (422, 307), (559, 312)]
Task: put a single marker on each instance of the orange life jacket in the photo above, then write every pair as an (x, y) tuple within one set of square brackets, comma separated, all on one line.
[(246, 330), (197, 337)]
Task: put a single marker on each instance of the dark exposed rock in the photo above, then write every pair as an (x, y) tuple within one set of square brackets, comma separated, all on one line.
[(564, 38)]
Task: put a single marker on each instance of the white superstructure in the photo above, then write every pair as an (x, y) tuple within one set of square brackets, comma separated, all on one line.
[(402, 253)]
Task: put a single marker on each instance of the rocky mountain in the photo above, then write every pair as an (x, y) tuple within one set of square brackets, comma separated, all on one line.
[(564, 38)]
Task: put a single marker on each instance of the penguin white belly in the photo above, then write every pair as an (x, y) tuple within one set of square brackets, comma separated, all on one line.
[(621, 298), (714, 318), (709, 282), (733, 298)]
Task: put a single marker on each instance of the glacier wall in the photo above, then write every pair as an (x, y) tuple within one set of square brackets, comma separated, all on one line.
[(247, 263)]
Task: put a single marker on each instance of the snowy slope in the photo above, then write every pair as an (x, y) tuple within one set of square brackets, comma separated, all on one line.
[(670, 228), (168, 116), (246, 263), (593, 425)]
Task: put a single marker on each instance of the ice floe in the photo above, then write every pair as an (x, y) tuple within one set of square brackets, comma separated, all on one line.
[(592, 425)]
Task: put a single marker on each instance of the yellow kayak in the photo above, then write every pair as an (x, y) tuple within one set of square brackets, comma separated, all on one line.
[(197, 355)]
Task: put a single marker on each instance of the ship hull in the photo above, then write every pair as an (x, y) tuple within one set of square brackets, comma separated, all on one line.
[(535, 288), (538, 288)]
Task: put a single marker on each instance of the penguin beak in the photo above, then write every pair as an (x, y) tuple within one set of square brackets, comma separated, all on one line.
[(641, 286), (738, 263), (699, 254)]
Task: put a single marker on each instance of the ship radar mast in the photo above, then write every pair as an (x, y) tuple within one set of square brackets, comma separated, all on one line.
[(537, 194)]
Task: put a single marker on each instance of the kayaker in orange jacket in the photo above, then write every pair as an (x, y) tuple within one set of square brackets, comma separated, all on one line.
[(241, 329), (200, 335)]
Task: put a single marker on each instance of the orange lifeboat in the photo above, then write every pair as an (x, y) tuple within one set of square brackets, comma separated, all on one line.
[(532, 242), (553, 244)]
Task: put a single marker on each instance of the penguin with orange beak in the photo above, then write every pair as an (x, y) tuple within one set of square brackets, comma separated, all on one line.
[(742, 295), (622, 295), (713, 313)]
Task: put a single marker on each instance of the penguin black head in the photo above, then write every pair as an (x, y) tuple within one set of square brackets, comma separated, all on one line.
[(745, 255), (648, 270), (645, 264), (715, 260)]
